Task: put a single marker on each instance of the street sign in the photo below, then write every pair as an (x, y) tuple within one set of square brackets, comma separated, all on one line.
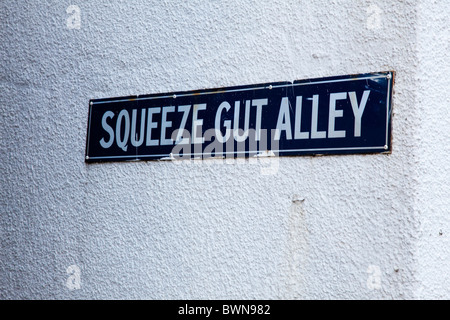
[(333, 115)]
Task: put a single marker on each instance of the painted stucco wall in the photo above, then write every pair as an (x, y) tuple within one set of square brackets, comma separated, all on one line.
[(352, 227), (433, 147)]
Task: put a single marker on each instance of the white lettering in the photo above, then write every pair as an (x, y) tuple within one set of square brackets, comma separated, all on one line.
[(333, 114), (259, 103), (188, 310), (122, 143), (103, 143), (314, 119), (227, 123), (358, 110), (237, 105), (151, 125), (166, 124), (197, 123), (134, 141), (179, 138), (298, 134), (284, 120)]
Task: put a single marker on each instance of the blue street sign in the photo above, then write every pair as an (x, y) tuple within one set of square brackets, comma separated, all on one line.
[(333, 115)]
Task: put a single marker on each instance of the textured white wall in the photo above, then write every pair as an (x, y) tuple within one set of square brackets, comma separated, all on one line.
[(294, 227), (433, 144)]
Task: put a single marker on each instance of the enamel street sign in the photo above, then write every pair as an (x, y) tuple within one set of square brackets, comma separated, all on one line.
[(334, 115)]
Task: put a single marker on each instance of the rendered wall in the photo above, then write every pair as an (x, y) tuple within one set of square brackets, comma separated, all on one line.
[(433, 200), (352, 227)]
